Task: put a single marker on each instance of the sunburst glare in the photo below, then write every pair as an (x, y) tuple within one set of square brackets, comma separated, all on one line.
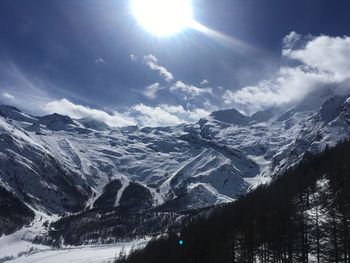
[(163, 17)]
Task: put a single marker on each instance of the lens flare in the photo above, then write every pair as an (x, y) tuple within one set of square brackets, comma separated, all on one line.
[(163, 17)]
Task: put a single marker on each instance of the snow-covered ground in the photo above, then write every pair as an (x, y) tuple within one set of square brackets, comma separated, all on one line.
[(20, 242), (18, 247), (86, 254)]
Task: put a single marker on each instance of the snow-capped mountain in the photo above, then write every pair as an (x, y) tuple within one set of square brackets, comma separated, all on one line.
[(57, 164)]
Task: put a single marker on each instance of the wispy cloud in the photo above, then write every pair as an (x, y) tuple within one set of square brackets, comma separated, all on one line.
[(99, 61), (65, 107), (23, 90), (204, 82), (133, 57), (8, 96), (151, 90), (189, 89), (184, 93), (320, 61), (17, 78), (166, 115), (139, 114), (31, 91), (28, 93), (328, 55), (291, 40), (152, 62)]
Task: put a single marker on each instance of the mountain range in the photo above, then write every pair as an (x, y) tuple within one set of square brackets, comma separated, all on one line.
[(56, 164)]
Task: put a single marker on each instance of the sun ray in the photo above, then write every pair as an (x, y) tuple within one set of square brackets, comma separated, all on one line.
[(225, 39)]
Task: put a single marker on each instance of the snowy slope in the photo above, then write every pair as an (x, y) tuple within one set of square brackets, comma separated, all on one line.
[(86, 254), (20, 242), (19, 246), (29, 169), (31, 253)]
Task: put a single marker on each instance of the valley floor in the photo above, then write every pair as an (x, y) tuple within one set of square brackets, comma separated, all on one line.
[(86, 254), (18, 248)]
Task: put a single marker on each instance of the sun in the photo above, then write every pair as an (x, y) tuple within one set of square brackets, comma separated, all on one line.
[(163, 17)]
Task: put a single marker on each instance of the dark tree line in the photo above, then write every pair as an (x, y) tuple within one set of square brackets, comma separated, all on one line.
[(100, 225), (14, 214), (302, 216)]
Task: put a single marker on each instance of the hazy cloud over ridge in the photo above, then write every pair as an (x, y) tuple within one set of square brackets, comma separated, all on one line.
[(319, 61), (65, 107), (8, 96), (139, 114)]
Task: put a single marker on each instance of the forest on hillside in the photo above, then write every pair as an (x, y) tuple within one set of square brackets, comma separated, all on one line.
[(14, 214), (302, 216)]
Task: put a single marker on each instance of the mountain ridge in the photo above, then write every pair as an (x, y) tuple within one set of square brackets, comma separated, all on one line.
[(56, 164)]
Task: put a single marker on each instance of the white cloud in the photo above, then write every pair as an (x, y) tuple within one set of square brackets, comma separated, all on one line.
[(9, 96), (291, 40), (99, 60), (65, 107), (290, 85), (185, 91), (204, 82), (152, 62), (139, 114), (151, 90), (186, 115), (189, 89), (155, 116), (322, 61), (133, 57), (166, 115), (325, 54), (35, 100)]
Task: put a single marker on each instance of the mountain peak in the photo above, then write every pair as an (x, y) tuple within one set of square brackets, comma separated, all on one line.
[(15, 114), (231, 116), (90, 123), (56, 121), (6, 108), (331, 108), (264, 115)]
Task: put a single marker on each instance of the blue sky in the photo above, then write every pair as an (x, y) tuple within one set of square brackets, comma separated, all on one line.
[(85, 57)]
